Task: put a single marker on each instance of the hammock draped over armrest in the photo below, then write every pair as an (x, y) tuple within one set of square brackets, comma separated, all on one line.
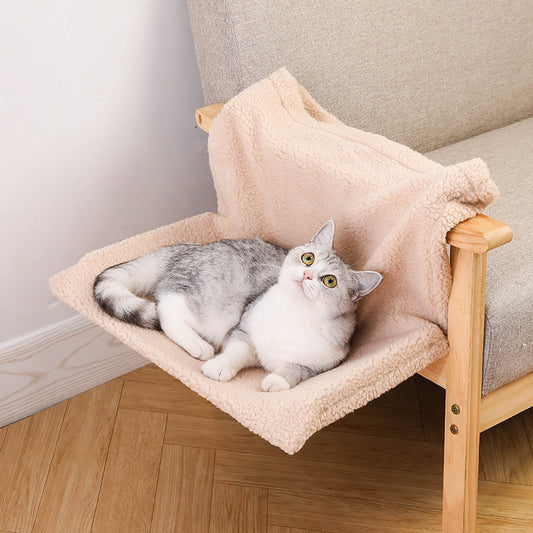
[(282, 166)]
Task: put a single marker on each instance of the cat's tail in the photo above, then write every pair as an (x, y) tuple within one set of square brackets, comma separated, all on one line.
[(120, 289)]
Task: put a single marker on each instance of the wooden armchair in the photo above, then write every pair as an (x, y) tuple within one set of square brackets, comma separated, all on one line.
[(460, 373)]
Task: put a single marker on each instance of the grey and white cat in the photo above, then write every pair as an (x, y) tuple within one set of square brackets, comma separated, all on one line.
[(291, 312)]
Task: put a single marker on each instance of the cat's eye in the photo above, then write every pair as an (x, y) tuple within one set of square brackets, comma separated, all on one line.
[(329, 281), (308, 259)]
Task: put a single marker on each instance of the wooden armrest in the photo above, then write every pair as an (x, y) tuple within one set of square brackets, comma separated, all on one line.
[(479, 234), (205, 115)]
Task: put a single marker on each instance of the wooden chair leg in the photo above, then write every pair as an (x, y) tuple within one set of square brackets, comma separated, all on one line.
[(463, 391), (461, 459)]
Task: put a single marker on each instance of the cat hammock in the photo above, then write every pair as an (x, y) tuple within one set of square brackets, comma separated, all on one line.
[(282, 166)]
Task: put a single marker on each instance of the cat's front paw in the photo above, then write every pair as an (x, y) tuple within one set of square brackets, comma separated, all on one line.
[(274, 382), (219, 370), (202, 350)]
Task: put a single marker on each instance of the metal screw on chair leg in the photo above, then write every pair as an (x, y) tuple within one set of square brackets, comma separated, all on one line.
[(456, 409), (454, 429)]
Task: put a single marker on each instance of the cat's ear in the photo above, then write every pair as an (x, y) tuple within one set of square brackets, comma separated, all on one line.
[(364, 282), (324, 236)]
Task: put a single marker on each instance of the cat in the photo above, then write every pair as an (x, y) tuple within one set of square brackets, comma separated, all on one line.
[(291, 312)]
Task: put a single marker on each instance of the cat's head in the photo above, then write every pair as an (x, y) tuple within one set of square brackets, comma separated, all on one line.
[(322, 276)]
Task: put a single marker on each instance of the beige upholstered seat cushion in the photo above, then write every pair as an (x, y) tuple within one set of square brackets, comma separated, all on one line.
[(423, 73), (508, 153)]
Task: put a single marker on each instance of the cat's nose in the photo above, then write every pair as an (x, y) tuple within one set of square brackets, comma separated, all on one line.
[(308, 274)]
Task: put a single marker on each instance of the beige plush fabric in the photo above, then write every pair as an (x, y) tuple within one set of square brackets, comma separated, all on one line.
[(282, 166), (425, 73), (509, 298)]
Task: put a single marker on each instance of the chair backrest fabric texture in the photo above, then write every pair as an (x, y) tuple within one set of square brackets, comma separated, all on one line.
[(424, 73)]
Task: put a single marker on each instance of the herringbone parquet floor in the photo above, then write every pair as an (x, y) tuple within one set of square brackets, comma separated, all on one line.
[(143, 453)]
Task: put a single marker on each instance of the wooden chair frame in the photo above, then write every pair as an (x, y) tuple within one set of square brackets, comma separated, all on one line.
[(460, 373)]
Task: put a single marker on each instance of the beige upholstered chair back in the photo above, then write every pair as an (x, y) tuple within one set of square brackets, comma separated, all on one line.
[(426, 73)]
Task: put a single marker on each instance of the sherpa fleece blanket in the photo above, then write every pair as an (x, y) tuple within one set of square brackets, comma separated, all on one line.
[(282, 166)]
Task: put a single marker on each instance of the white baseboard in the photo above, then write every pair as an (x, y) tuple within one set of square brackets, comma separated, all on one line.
[(57, 362)]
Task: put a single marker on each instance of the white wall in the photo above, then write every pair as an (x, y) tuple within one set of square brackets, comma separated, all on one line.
[(97, 138)]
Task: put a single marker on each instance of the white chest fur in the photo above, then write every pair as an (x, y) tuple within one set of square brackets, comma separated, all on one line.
[(287, 327)]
